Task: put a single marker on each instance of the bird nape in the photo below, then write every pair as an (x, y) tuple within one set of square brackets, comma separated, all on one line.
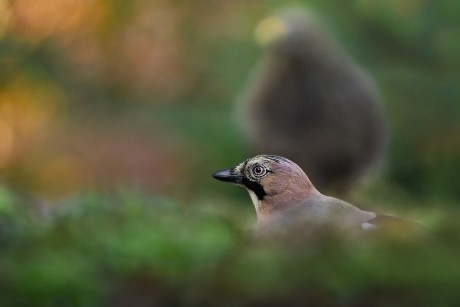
[(285, 198)]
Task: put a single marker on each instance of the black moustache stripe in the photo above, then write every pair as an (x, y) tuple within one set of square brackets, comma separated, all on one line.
[(255, 187)]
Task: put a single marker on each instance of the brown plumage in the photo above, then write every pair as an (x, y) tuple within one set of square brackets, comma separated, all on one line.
[(310, 102), (283, 195)]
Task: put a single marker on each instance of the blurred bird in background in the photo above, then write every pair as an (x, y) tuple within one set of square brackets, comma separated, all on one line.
[(310, 102)]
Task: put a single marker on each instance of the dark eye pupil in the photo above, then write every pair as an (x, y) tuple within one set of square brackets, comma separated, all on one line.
[(258, 170)]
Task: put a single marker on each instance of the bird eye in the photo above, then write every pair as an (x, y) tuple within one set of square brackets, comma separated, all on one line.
[(259, 170)]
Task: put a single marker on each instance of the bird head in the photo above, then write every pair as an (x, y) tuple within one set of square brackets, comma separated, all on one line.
[(300, 34), (273, 182)]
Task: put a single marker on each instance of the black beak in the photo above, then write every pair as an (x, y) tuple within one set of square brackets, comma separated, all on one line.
[(227, 175)]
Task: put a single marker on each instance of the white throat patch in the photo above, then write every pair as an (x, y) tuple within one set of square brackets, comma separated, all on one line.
[(254, 198)]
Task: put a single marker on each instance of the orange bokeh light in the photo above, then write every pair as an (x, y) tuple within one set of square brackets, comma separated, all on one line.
[(5, 14), (6, 142), (28, 109), (37, 20)]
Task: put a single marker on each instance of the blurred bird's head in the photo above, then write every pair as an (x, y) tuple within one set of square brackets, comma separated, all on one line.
[(273, 182), (296, 32)]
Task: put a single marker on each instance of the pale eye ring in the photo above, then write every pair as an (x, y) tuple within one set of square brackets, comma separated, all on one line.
[(258, 170)]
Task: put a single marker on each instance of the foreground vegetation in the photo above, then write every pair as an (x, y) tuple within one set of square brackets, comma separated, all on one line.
[(131, 249)]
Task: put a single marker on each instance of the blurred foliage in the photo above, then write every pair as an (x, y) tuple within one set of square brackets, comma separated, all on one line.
[(101, 94), (132, 249)]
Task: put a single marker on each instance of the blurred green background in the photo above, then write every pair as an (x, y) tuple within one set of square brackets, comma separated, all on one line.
[(113, 115)]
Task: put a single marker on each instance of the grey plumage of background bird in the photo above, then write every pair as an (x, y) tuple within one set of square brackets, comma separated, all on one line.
[(310, 102)]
